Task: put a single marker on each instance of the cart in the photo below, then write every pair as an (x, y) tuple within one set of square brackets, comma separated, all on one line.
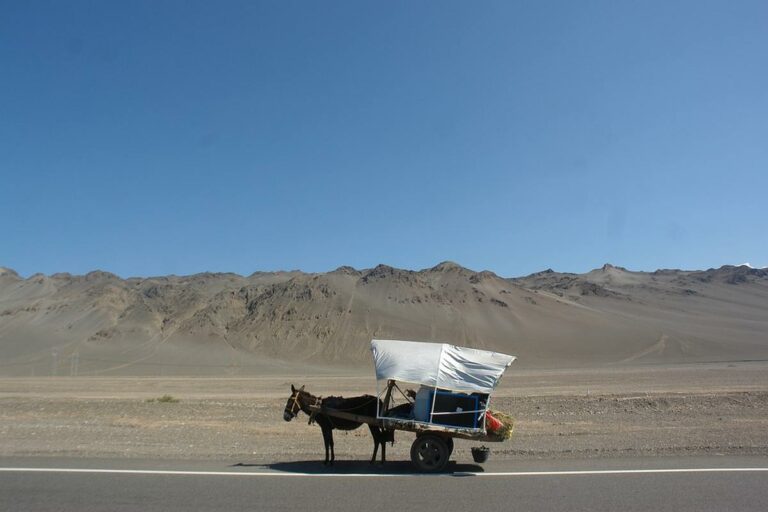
[(455, 387)]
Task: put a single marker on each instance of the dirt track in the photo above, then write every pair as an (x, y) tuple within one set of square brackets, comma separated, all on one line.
[(651, 411)]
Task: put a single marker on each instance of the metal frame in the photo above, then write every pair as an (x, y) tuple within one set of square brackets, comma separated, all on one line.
[(419, 427), (411, 425)]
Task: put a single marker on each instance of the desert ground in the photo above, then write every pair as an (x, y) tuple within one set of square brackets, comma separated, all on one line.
[(653, 410), (612, 362)]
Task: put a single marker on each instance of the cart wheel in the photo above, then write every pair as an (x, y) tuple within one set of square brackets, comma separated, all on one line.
[(448, 443), (429, 453)]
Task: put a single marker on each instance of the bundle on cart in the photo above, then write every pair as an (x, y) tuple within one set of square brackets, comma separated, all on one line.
[(499, 424)]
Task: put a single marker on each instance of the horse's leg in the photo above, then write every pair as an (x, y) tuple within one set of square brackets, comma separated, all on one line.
[(375, 435), (330, 437), (383, 446), (326, 441)]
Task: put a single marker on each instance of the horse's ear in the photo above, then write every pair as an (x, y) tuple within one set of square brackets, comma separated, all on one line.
[(293, 389), (301, 388)]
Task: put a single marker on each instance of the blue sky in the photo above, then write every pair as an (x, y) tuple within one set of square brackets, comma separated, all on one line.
[(158, 137)]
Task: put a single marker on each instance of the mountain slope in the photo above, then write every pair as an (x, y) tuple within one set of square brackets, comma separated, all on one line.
[(226, 323)]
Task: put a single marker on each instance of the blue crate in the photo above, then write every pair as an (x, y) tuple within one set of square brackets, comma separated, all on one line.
[(447, 401)]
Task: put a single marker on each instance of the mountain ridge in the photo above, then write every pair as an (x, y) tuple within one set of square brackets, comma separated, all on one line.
[(608, 315), (446, 265)]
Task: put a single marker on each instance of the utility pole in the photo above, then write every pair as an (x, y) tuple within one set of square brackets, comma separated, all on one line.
[(74, 362), (54, 362)]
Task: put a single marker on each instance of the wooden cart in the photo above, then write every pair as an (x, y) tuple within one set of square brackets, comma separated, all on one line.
[(404, 361)]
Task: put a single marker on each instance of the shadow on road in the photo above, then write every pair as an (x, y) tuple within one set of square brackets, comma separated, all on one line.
[(357, 467)]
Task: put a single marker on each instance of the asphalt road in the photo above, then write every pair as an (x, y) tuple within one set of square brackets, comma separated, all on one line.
[(660, 484)]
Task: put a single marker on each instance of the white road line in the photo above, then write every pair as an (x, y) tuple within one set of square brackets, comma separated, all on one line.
[(197, 473), (621, 471), (377, 475)]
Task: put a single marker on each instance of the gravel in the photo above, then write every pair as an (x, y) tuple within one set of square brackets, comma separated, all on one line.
[(251, 430)]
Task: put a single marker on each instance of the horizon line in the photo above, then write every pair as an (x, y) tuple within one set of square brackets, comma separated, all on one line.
[(299, 271)]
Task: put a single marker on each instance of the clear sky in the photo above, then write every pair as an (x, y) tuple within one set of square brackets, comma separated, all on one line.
[(155, 137)]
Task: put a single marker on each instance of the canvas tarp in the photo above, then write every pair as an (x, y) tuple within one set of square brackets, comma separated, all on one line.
[(439, 365)]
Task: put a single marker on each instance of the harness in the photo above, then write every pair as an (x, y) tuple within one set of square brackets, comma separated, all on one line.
[(319, 400), (330, 418), (296, 405)]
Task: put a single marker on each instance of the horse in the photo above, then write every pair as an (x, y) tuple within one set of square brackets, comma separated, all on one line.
[(364, 405)]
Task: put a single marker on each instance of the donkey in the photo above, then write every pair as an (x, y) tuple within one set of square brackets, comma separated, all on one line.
[(364, 405)]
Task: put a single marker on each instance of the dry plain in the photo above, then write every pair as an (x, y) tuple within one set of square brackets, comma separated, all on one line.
[(653, 410)]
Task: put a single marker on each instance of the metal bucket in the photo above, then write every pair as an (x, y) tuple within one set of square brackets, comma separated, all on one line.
[(480, 454)]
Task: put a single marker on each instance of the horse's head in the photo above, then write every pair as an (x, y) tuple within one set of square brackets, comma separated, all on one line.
[(293, 406)]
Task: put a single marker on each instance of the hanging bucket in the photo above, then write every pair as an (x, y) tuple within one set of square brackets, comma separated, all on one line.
[(480, 454)]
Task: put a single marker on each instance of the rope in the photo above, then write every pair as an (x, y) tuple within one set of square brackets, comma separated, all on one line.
[(401, 392), (351, 408), (318, 400)]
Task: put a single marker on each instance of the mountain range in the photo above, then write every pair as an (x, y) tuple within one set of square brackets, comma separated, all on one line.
[(224, 323)]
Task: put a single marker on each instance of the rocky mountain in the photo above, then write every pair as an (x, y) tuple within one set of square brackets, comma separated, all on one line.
[(210, 323)]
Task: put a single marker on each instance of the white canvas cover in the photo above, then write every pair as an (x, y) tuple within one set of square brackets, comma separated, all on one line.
[(439, 365)]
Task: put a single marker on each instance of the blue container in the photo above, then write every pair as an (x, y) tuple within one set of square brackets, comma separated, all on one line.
[(456, 404), (422, 404)]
